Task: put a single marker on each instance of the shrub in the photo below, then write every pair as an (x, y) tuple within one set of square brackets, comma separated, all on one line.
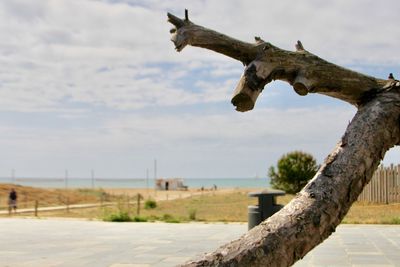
[(119, 217), (150, 204), (139, 219), (123, 217), (293, 171)]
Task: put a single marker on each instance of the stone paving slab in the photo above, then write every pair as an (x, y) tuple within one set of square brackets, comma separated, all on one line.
[(64, 243)]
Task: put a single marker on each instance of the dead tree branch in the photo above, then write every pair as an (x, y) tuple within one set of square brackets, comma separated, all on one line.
[(317, 210), (265, 62)]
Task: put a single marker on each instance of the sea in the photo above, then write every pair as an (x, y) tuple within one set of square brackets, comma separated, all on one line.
[(205, 183)]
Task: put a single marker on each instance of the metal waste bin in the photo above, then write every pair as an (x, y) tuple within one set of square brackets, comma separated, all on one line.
[(266, 206), (254, 217)]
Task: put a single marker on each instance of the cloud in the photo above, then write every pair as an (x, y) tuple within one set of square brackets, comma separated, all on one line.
[(342, 31), (52, 50), (104, 76)]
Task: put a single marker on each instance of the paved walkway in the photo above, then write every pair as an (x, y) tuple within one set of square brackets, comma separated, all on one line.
[(50, 242)]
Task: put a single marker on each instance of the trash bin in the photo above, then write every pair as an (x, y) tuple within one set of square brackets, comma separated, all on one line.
[(266, 206), (254, 217)]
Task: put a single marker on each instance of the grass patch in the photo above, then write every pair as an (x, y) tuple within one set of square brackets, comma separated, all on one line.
[(170, 219), (220, 206), (229, 207), (372, 213)]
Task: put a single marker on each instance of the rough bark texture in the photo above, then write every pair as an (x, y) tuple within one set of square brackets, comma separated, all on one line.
[(314, 214), (316, 211)]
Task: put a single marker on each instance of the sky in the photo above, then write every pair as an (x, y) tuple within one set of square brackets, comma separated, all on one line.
[(97, 85)]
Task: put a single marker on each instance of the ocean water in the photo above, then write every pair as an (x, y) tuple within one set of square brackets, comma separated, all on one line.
[(136, 182)]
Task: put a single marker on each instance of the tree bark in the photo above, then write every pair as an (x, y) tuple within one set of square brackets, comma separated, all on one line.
[(316, 211)]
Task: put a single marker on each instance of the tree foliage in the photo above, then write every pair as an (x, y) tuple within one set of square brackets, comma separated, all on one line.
[(294, 170)]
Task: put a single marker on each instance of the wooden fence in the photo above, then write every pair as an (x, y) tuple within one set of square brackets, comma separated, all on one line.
[(384, 186)]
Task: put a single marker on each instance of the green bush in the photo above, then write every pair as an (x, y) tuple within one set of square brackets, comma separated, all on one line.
[(293, 171), (124, 217), (150, 204), (139, 219), (119, 217)]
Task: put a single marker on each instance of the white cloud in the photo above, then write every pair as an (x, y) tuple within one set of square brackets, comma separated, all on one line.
[(66, 60), (52, 44), (346, 32)]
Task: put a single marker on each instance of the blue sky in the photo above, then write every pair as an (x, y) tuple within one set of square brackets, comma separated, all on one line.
[(97, 85)]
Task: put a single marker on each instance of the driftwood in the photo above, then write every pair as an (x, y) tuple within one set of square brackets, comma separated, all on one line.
[(316, 211)]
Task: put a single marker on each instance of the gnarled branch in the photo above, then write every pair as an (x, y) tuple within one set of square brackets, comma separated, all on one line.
[(188, 33), (264, 62), (317, 210)]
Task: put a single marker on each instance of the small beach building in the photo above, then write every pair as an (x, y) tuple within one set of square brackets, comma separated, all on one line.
[(170, 184)]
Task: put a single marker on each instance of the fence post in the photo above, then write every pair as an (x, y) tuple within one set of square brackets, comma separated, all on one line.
[(375, 186), (386, 185), (382, 186), (139, 196), (36, 207), (128, 204), (370, 187), (396, 184)]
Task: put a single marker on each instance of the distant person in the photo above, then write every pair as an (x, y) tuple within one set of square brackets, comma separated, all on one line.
[(215, 187), (12, 201)]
